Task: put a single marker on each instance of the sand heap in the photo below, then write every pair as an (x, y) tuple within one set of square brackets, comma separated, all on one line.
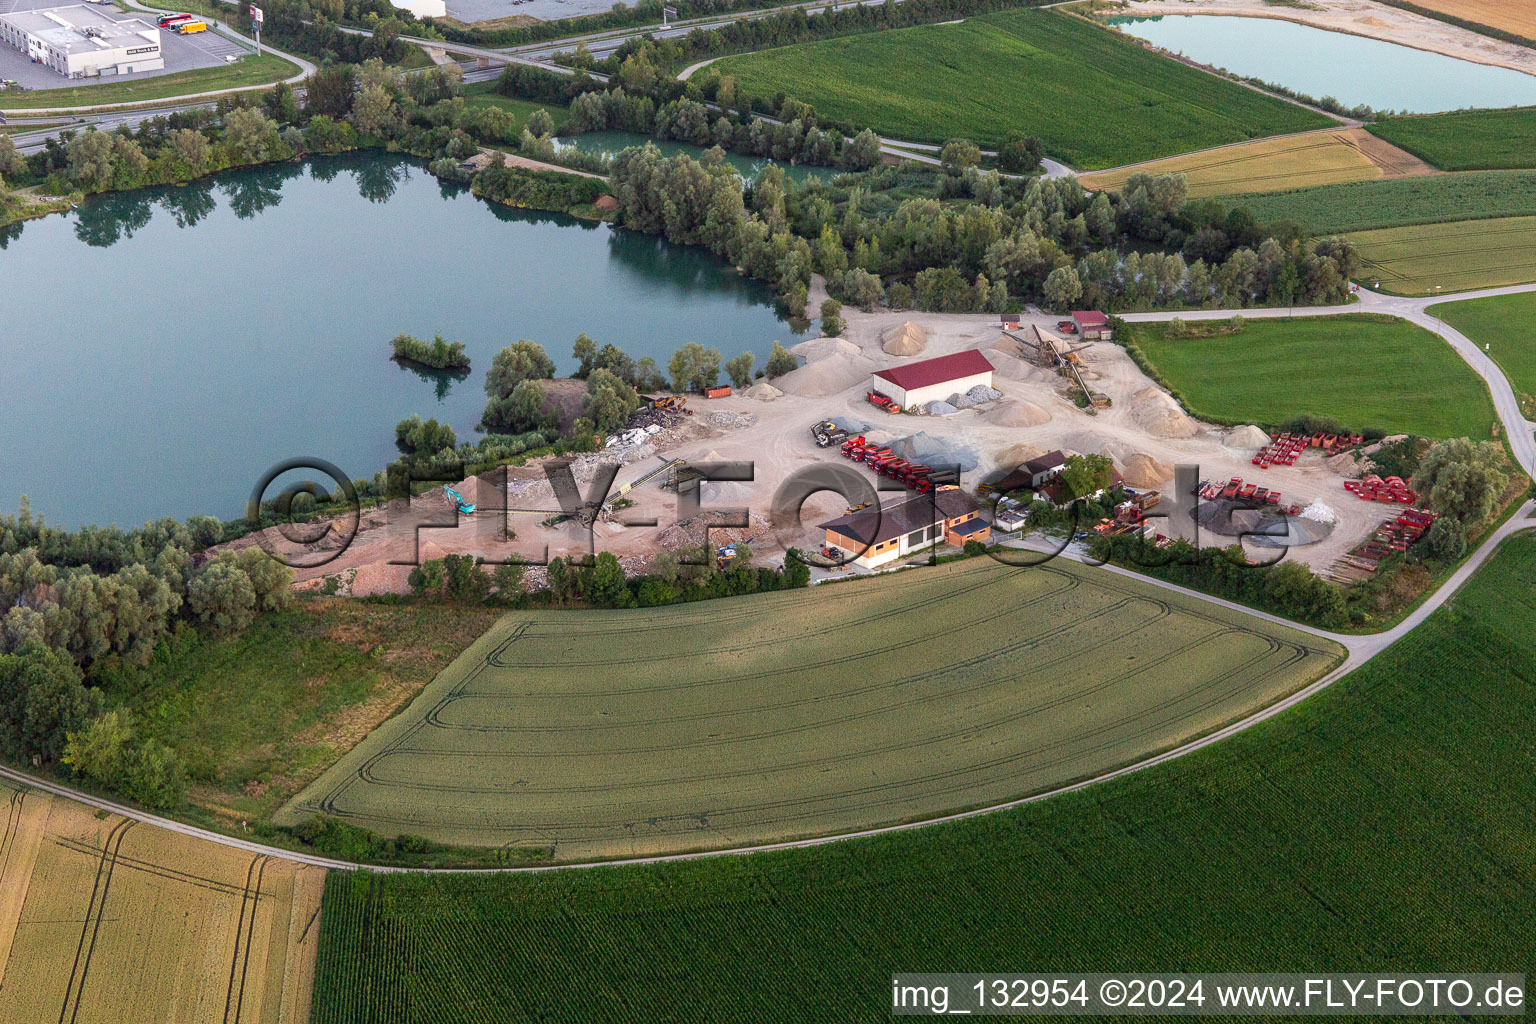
[(820, 348), (1344, 464), (1016, 413), (1245, 437), (1014, 454), (1159, 415), (762, 391), (908, 339), (1140, 470), (827, 376)]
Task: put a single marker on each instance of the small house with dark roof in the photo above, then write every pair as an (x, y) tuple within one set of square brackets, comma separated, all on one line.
[(877, 536)]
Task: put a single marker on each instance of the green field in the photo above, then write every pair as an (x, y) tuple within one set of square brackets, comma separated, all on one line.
[(1037, 72), (1397, 202), (257, 716), (1467, 140), (483, 94), (1368, 372), (1383, 824), (606, 734), (1458, 256), (1507, 325), (247, 71)]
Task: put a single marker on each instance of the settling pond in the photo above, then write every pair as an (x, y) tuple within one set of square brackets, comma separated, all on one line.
[(1318, 63), (162, 349)]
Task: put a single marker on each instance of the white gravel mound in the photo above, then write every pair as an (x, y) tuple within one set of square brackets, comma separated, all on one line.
[(1319, 513), (1246, 437), (940, 409), (1159, 415)]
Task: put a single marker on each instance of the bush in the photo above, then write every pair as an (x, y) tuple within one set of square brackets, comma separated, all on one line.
[(832, 318), (439, 354)]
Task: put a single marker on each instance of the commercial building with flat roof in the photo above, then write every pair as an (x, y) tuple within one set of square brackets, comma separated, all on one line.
[(83, 42)]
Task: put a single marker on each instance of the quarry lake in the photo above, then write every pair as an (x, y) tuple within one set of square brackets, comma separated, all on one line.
[(1319, 63), (163, 348)]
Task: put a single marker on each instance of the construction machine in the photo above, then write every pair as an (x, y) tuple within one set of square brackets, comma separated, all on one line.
[(465, 508), (828, 433)]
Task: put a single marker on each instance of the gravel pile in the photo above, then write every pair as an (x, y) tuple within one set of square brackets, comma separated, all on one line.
[(940, 409), (730, 420), (1320, 513)]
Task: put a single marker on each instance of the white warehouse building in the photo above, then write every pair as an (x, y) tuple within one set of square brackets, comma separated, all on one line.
[(82, 42), (934, 379)]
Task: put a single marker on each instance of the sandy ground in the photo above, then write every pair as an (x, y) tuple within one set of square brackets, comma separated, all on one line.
[(774, 436), (1363, 18)]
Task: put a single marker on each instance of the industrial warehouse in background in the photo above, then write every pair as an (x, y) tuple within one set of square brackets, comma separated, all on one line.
[(82, 42)]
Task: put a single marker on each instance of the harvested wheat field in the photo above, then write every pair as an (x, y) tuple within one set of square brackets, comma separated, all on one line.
[(1269, 165), (105, 920), (1517, 16), (589, 734)]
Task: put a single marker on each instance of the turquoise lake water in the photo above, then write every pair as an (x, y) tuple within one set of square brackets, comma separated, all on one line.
[(1319, 63), (163, 348)]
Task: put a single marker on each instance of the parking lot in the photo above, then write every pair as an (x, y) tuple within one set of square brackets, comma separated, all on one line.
[(181, 53)]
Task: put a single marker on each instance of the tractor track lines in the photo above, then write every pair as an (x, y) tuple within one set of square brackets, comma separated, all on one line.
[(248, 899), (80, 969)]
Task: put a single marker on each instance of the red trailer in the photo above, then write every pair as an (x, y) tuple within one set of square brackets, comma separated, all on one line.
[(882, 400)]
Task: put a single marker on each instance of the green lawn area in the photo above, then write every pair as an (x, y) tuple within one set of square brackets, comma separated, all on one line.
[(1397, 202), (1381, 825), (483, 94), (250, 70), (1505, 323), (1466, 140), (279, 703), (1093, 96), (1368, 372)]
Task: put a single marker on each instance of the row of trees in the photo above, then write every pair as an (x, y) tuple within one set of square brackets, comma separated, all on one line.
[(674, 577), (1045, 241)]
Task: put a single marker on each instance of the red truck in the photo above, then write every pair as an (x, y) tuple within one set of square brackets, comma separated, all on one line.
[(882, 400)]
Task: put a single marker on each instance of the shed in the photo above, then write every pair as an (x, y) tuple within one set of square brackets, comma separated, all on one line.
[(1093, 325), (933, 380), (875, 536)]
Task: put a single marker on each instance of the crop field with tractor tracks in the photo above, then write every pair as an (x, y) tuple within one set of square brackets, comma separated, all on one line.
[(105, 920), (582, 735), (1458, 256)]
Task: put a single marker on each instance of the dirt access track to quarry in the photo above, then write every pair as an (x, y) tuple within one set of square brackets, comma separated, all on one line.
[(1362, 18), (1144, 431)]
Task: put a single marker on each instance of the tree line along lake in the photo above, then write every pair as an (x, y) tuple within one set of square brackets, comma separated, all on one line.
[(165, 347)]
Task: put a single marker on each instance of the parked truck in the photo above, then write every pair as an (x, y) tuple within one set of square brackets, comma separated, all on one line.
[(882, 400)]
